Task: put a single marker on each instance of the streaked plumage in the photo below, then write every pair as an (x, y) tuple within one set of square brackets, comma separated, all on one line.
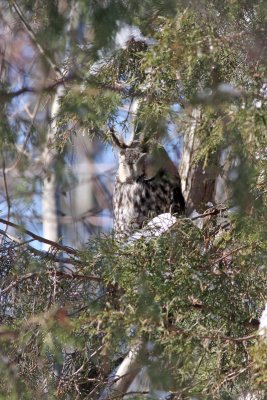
[(147, 184)]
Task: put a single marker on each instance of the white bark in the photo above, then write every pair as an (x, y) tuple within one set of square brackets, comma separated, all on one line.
[(124, 376), (50, 199), (49, 209), (127, 371)]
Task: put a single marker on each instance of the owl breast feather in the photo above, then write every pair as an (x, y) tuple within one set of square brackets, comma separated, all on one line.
[(137, 202)]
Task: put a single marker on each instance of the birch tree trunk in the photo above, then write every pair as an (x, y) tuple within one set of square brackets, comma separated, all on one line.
[(50, 197)]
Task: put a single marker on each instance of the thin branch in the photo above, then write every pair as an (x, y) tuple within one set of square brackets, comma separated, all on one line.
[(58, 274), (34, 39), (198, 366), (41, 239), (43, 254), (231, 252), (119, 396), (7, 96), (52, 257), (15, 282), (15, 164), (117, 88), (72, 275), (6, 192), (218, 336), (216, 211), (231, 339), (234, 374), (18, 242), (66, 379)]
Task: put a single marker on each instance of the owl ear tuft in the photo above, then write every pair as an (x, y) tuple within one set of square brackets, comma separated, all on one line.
[(117, 141)]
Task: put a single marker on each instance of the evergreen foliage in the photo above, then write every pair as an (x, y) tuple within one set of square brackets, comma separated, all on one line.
[(192, 297)]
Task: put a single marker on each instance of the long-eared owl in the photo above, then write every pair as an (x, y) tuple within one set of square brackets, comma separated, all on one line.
[(147, 184)]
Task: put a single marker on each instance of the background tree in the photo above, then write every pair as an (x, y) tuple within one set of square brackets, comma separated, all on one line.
[(69, 72)]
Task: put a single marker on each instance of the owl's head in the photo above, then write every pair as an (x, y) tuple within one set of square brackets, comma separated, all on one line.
[(139, 161), (132, 164)]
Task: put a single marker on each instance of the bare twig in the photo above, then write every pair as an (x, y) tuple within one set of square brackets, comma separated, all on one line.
[(231, 339), (117, 88), (7, 96), (6, 192), (18, 280), (80, 277), (34, 39), (53, 257), (58, 274), (232, 252), (234, 374), (218, 336), (21, 152), (215, 211), (18, 241), (41, 239), (119, 396)]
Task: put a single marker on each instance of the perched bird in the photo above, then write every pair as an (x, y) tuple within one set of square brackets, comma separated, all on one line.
[(147, 184)]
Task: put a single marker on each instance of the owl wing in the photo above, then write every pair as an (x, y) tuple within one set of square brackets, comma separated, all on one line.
[(158, 160)]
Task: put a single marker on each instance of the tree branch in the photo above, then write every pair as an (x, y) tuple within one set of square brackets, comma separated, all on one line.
[(41, 239), (39, 253), (58, 274), (34, 39), (7, 96), (16, 162), (6, 191), (217, 336)]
